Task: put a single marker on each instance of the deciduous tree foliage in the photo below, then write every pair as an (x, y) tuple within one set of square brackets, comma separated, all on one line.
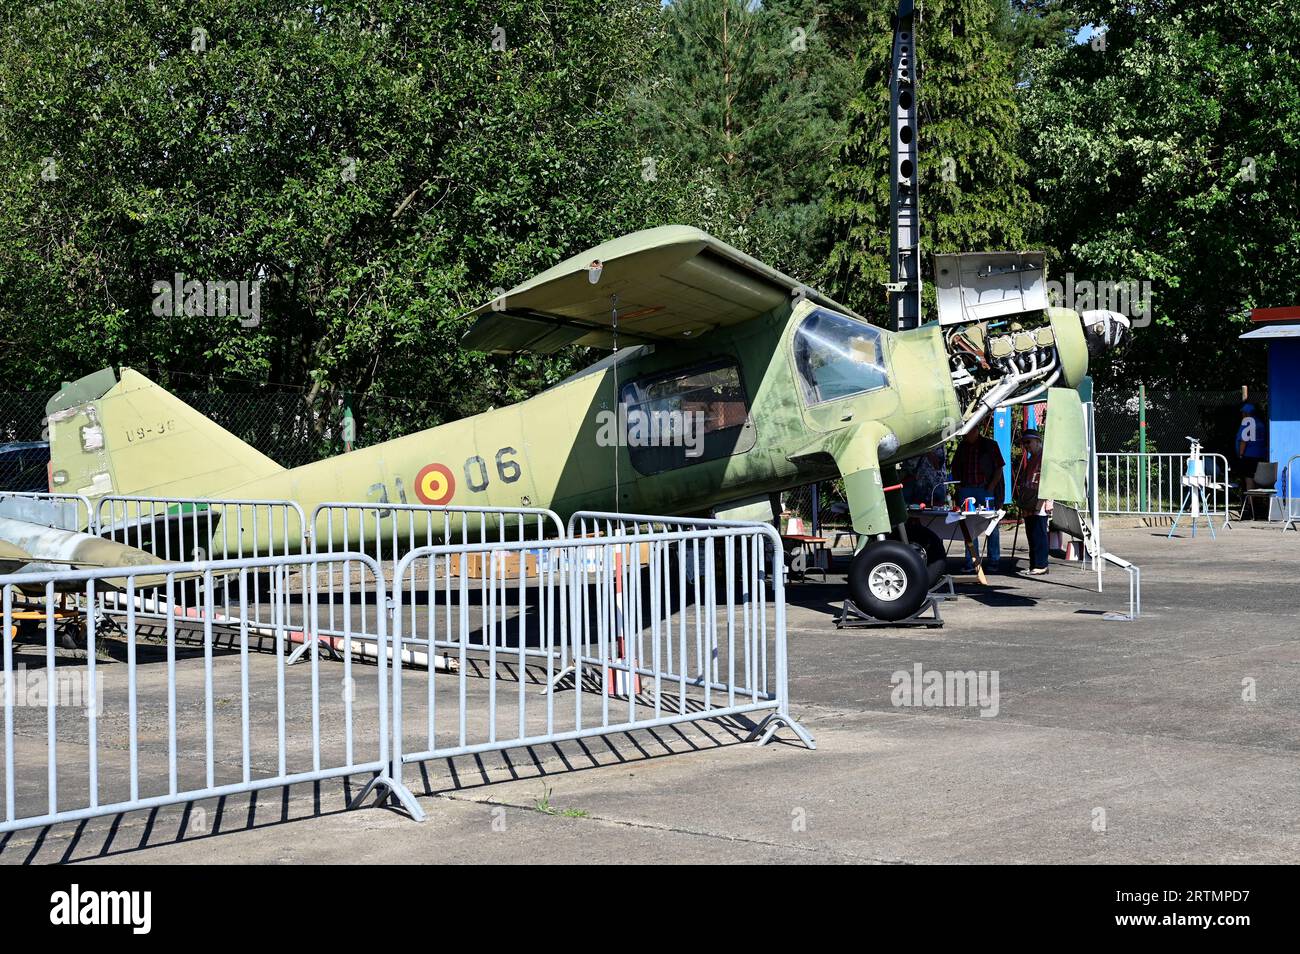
[(973, 180), (383, 165), (1167, 151)]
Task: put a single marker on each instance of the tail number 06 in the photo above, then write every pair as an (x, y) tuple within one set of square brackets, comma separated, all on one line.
[(476, 470)]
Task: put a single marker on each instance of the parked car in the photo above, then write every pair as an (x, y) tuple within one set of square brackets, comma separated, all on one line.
[(24, 465)]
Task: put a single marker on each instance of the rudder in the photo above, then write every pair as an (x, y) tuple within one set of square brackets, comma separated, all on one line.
[(131, 437)]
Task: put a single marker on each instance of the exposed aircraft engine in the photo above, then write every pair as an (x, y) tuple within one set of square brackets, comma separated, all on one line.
[(1015, 360), (1004, 342), (1009, 364)]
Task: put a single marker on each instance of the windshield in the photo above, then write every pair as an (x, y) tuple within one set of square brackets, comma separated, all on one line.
[(836, 357)]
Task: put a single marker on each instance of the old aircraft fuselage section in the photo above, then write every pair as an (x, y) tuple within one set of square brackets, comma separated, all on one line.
[(800, 394), (742, 412)]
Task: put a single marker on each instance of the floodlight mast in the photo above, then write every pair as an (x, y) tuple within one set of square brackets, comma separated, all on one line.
[(904, 193)]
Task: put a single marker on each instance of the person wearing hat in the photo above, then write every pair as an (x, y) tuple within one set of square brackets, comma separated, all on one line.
[(1250, 449), (1037, 513)]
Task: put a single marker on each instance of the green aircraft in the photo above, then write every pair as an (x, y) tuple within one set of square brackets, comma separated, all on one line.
[(730, 382)]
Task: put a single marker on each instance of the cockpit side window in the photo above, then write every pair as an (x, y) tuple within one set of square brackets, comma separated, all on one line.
[(689, 416), (837, 357)]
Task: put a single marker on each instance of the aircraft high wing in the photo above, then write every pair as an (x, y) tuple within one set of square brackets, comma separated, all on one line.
[(732, 382), (667, 284)]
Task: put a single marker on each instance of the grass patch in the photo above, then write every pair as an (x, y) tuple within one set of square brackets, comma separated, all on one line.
[(544, 806)]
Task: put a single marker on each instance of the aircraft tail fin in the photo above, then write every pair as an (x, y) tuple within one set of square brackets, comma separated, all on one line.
[(131, 437)]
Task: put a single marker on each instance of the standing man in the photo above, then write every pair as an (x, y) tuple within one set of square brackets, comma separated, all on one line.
[(977, 468), (1037, 513), (1250, 449)]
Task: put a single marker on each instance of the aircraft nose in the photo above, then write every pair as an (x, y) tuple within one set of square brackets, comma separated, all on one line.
[(1103, 330)]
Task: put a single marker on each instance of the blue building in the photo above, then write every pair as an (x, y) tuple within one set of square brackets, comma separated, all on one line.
[(1279, 328)]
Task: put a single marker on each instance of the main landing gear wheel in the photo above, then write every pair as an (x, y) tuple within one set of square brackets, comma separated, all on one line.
[(936, 556), (889, 579)]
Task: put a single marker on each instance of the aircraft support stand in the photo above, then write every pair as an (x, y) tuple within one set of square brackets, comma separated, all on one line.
[(1194, 503), (854, 617)]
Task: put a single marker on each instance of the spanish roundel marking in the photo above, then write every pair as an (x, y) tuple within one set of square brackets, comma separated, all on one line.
[(435, 485)]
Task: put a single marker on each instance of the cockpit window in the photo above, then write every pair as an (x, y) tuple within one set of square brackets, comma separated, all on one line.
[(836, 357), (686, 417)]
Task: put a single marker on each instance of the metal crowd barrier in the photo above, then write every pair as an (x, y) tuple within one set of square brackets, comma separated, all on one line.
[(588, 522), (176, 529), (597, 523), (1151, 485), (1291, 507), (616, 620), (60, 511), (661, 621), (386, 530), (197, 528), (389, 528), (104, 761)]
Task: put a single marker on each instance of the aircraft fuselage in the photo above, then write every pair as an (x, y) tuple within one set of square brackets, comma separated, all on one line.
[(734, 418)]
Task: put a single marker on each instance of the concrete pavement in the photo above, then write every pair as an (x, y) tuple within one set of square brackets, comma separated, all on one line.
[(1169, 739)]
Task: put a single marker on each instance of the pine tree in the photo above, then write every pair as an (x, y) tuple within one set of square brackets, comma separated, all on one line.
[(973, 195), (748, 98)]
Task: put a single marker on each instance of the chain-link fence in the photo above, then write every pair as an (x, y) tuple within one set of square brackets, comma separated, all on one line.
[(832, 513), (282, 424), (291, 430), (23, 452), (1171, 418)]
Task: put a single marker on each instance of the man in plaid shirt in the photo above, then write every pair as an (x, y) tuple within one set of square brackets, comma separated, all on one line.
[(977, 468)]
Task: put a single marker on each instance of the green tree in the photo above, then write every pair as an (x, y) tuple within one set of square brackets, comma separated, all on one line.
[(1167, 150), (973, 190), (1027, 26), (381, 167), (750, 98)]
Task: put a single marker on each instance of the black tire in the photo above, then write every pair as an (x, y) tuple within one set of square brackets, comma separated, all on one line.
[(936, 557), (888, 579)]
